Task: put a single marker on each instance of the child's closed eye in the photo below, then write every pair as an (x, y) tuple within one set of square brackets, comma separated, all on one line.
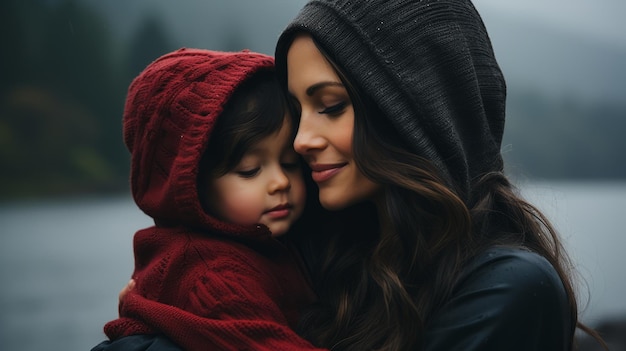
[(248, 173)]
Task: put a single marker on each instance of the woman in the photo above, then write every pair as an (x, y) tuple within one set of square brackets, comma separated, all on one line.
[(401, 109)]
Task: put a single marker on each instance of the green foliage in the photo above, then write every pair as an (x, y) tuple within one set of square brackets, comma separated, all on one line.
[(61, 104)]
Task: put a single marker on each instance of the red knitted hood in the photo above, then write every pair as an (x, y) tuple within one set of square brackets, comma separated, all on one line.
[(171, 109)]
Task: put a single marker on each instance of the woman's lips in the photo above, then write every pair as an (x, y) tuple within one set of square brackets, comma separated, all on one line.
[(322, 172)]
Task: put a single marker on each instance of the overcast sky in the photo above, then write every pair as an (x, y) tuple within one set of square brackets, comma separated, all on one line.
[(558, 46), (602, 20)]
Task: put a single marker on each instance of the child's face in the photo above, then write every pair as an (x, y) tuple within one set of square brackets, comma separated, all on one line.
[(265, 187)]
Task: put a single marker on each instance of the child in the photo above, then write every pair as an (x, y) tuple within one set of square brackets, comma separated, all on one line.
[(213, 164)]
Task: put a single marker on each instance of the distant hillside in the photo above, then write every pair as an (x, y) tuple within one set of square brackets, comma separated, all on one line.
[(564, 138), (215, 24), (531, 54), (63, 87)]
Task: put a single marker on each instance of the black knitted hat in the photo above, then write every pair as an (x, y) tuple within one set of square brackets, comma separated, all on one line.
[(430, 68)]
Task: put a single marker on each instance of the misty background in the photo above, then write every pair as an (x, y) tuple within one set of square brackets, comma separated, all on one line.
[(66, 66), (66, 217)]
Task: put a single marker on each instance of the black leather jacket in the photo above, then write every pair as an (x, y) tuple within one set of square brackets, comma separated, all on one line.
[(507, 299)]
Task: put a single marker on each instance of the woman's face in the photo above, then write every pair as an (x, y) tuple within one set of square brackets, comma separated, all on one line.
[(325, 133)]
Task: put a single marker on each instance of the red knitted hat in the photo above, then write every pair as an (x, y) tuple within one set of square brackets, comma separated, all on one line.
[(170, 111)]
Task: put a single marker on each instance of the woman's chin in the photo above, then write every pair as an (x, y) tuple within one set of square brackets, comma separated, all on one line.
[(332, 204)]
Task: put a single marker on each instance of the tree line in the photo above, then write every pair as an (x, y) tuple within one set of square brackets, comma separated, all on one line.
[(63, 81)]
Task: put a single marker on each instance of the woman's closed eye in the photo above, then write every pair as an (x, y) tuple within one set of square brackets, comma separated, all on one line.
[(334, 109)]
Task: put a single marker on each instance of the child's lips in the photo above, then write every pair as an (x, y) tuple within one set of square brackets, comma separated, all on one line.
[(279, 211)]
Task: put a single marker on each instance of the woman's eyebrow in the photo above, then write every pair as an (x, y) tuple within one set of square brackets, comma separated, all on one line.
[(313, 88)]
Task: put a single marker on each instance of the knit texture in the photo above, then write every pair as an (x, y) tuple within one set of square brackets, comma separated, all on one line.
[(170, 111), (206, 293), (428, 65), (203, 283)]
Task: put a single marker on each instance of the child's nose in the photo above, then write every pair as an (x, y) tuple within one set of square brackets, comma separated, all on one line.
[(279, 182)]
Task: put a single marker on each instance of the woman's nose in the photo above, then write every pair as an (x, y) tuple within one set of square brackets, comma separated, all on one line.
[(307, 139)]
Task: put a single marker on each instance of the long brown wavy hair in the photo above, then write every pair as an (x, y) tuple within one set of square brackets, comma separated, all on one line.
[(378, 287)]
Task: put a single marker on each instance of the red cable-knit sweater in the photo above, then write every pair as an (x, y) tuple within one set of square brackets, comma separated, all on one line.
[(208, 293), (220, 286)]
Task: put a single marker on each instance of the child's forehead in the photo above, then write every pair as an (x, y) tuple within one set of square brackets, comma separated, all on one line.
[(279, 141)]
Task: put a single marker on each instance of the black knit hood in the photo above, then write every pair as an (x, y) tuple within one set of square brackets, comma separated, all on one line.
[(428, 65)]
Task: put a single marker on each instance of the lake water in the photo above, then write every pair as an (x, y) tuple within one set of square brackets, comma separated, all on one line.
[(62, 263)]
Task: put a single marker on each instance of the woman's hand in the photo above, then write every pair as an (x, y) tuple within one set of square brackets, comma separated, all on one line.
[(130, 286)]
